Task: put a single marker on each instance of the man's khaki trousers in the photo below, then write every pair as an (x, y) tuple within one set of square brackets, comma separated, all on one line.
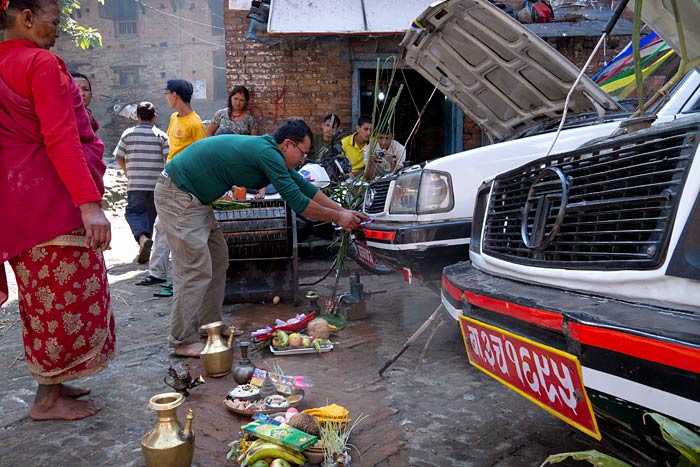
[(199, 261)]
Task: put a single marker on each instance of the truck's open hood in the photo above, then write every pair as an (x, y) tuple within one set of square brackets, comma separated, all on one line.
[(659, 16), (502, 75)]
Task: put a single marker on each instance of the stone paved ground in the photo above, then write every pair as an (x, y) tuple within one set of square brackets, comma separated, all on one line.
[(434, 411)]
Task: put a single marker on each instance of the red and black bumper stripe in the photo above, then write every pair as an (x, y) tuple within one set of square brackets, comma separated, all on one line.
[(421, 250), (656, 347)]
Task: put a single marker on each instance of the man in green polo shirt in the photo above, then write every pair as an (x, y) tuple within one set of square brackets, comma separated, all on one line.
[(200, 174)]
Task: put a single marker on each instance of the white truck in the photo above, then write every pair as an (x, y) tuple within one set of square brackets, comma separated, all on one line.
[(582, 292)]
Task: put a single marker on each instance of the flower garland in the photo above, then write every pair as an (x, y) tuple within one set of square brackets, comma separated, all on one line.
[(4, 4)]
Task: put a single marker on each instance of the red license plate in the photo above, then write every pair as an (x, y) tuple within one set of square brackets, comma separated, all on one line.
[(364, 254), (546, 376)]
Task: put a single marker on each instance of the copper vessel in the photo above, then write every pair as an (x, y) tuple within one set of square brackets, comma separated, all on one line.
[(217, 355), (244, 367), (168, 443), (312, 302)]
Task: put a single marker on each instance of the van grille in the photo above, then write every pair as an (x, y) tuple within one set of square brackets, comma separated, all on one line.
[(622, 198), (381, 188)]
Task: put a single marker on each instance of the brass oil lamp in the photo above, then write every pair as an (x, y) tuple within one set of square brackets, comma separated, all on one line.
[(181, 380)]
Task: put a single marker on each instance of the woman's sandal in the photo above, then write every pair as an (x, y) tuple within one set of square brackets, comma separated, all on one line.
[(150, 280), (164, 292)]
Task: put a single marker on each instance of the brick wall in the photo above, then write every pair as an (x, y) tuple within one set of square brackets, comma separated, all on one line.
[(311, 76), (307, 77)]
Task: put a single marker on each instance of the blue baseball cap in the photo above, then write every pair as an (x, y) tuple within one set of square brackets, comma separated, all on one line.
[(181, 87)]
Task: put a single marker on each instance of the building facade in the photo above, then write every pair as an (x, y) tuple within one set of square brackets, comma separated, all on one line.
[(145, 43), (310, 75), (216, 45)]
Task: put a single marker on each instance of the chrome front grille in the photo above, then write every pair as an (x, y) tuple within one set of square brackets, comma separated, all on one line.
[(379, 189), (606, 206)]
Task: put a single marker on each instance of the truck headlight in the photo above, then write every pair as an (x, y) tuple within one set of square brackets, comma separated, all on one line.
[(422, 192)]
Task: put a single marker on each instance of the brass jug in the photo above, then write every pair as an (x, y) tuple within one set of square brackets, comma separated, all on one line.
[(217, 355), (167, 443)]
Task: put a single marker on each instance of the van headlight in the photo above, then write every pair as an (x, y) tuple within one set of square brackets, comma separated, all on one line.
[(422, 192)]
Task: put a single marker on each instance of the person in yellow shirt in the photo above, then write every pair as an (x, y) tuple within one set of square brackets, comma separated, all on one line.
[(184, 129), (185, 126), (354, 144)]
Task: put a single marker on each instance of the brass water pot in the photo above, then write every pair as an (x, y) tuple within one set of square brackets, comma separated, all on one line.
[(168, 443), (217, 355)]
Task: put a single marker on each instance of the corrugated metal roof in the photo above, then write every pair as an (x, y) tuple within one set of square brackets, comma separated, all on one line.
[(343, 16), (396, 16)]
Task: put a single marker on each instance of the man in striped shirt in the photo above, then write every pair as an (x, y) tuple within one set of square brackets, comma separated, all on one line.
[(141, 153)]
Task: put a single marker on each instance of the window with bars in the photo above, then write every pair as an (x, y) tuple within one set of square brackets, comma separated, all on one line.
[(124, 13), (128, 76)]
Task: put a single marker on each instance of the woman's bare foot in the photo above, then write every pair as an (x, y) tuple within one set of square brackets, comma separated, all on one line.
[(73, 391), (189, 350), (50, 404)]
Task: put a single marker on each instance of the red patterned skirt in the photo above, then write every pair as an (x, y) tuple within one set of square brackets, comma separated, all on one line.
[(64, 306)]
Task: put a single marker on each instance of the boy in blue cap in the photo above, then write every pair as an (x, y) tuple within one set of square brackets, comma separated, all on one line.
[(185, 128)]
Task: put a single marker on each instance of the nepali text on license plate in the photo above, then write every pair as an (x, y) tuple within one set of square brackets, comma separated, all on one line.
[(365, 255), (546, 376)]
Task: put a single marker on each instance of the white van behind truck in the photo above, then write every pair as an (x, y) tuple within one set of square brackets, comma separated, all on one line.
[(507, 80)]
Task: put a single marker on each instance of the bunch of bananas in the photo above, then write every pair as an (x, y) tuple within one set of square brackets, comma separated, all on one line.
[(318, 342), (261, 449)]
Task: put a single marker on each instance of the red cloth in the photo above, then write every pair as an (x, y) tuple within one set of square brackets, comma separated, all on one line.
[(50, 159), (64, 305), (93, 121)]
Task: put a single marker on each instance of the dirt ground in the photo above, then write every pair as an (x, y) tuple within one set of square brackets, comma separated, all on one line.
[(430, 409)]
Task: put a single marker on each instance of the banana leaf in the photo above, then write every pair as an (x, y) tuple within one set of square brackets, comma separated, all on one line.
[(334, 320), (223, 205), (595, 458), (681, 438)]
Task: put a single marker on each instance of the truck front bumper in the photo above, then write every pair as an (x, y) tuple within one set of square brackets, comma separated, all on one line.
[(633, 358)]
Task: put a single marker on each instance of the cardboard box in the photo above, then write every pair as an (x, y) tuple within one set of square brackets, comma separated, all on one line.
[(282, 434)]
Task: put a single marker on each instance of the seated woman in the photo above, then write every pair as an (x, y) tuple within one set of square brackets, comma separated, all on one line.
[(235, 120)]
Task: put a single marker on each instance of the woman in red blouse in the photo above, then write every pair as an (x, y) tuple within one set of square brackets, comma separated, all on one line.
[(54, 229)]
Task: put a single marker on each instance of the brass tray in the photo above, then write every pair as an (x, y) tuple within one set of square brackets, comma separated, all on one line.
[(294, 400)]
